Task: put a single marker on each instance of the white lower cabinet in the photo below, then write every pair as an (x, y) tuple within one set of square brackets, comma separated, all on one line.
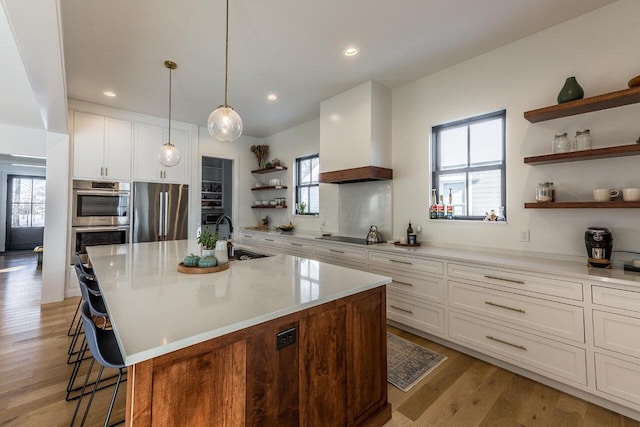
[(417, 314), (618, 378), (297, 247), (544, 356), (346, 256)]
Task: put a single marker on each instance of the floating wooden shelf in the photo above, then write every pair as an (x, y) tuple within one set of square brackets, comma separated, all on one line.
[(574, 156), (269, 170), (270, 187), (581, 205), (268, 207), (586, 105)]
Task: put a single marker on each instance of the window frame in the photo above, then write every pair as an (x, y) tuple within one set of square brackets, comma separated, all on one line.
[(437, 172), (298, 186)]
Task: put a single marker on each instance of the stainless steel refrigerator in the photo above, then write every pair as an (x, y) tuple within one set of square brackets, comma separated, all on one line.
[(160, 211)]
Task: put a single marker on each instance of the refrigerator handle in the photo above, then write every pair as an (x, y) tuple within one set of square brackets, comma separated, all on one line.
[(162, 214), (166, 212)]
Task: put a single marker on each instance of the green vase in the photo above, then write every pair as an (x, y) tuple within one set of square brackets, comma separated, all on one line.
[(570, 91)]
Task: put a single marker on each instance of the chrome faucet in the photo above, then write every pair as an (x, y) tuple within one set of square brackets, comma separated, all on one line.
[(219, 221)]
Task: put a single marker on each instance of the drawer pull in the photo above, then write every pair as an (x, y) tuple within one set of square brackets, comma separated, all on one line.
[(402, 283), (519, 310), (401, 262), (520, 347), (296, 244), (401, 309), (336, 251), (269, 240), (248, 237), (520, 282)]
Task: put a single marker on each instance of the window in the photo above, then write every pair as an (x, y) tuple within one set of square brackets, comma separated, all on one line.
[(469, 163), (307, 185), (27, 202)]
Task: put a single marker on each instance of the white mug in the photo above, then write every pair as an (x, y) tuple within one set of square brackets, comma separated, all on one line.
[(605, 195), (631, 194)]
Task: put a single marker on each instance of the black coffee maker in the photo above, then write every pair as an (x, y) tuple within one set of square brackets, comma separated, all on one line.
[(599, 243)]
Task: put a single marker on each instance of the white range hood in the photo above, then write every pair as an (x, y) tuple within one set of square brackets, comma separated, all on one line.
[(355, 135)]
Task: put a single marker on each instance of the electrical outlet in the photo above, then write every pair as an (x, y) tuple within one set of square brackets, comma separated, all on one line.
[(285, 338), (524, 236)]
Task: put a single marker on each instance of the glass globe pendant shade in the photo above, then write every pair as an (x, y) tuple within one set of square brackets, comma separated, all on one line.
[(169, 155), (225, 124)]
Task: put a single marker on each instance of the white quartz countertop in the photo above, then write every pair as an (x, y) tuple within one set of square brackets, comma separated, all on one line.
[(155, 310), (490, 258)]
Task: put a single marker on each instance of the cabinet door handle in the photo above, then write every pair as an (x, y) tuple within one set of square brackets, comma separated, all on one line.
[(106, 171), (520, 347), (101, 170), (336, 251), (402, 283), (401, 309), (296, 244), (520, 282), (519, 310), (401, 262)]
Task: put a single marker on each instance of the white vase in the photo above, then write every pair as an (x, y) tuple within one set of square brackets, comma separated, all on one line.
[(221, 252)]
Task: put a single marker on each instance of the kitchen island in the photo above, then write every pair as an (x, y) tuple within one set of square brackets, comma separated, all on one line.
[(281, 340)]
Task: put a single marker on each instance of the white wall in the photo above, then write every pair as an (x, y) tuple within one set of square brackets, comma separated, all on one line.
[(288, 145), (528, 74)]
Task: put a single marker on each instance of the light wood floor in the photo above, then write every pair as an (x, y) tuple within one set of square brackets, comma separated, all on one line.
[(463, 391)]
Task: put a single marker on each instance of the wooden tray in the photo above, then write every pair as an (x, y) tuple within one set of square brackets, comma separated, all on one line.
[(407, 244), (201, 270)]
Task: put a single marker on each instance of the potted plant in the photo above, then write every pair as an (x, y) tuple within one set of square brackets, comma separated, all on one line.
[(208, 242), (303, 206)]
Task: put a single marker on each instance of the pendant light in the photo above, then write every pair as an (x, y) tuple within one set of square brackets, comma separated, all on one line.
[(168, 154), (224, 123)]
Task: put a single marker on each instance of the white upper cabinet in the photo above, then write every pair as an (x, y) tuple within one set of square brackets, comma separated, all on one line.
[(101, 147), (147, 141)]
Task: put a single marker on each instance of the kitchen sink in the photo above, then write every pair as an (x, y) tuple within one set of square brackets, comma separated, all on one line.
[(245, 255)]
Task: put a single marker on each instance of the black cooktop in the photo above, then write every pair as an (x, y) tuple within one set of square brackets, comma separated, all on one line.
[(346, 239)]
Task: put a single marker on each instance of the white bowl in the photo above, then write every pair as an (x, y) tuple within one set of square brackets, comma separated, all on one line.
[(258, 202), (272, 202), (265, 203)]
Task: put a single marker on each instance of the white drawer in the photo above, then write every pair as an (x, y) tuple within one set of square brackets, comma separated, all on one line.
[(542, 284), (342, 262), (618, 378), (537, 354), (424, 317), (407, 264), (345, 253), (617, 298), (562, 320), (425, 287), (297, 247), (616, 333)]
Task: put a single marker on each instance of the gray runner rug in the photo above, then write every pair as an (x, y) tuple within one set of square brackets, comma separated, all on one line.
[(408, 363)]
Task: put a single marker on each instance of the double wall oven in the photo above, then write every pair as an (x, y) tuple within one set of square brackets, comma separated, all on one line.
[(101, 214)]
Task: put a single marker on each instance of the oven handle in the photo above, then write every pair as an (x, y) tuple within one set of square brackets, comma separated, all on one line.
[(102, 193), (106, 228)]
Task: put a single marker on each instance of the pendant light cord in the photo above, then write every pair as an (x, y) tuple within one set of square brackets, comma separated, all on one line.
[(169, 139), (226, 57)]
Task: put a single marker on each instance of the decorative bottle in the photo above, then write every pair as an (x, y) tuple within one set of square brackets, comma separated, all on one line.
[(450, 206), (409, 233), (433, 209), (441, 208)]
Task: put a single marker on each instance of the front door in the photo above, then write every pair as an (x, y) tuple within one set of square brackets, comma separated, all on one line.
[(25, 212)]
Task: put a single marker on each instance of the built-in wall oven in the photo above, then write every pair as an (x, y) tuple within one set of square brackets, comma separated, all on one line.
[(101, 214)]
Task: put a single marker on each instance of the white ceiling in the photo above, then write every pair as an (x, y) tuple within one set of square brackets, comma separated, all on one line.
[(293, 48)]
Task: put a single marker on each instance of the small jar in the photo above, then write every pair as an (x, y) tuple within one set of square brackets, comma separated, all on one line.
[(583, 140), (545, 192), (561, 143)]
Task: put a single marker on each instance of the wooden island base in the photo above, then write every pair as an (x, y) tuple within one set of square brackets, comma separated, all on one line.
[(334, 374)]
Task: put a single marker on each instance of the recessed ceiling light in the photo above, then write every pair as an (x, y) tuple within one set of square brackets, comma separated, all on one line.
[(351, 51), (272, 97), (109, 93)]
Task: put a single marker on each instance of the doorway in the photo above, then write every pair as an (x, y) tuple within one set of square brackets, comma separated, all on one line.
[(217, 194), (26, 197)]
